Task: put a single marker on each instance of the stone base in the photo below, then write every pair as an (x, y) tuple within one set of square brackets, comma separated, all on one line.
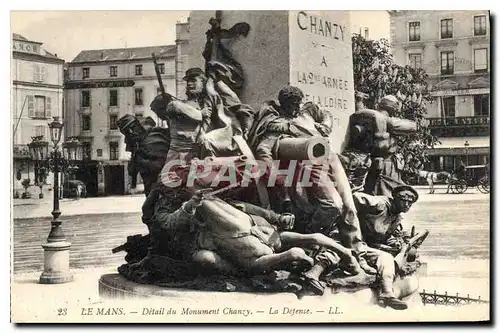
[(55, 278), (115, 286), (56, 263)]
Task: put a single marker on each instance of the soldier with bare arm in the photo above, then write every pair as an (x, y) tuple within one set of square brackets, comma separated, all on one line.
[(380, 218)]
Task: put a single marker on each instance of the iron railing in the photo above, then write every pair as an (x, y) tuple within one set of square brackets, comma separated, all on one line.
[(440, 299)]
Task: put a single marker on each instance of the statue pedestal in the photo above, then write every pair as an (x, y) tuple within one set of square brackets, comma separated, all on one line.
[(175, 305), (115, 286), (308, 49)]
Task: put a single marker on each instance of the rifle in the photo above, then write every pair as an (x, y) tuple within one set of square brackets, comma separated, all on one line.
[(166, 97), (158, 76), (415, 241)]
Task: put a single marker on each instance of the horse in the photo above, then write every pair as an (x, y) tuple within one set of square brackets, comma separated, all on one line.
[(434, 177)]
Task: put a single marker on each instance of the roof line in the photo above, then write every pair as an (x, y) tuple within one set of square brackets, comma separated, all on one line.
[(21, 38), (130, 48)]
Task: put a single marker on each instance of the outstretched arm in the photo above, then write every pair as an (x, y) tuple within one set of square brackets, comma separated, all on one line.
[(281, 221), (269, 215), (400, 126), (181, 108), (366, 203)]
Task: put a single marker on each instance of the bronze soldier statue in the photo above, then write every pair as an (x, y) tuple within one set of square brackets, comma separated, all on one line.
[(285, 118), (149, 146), (374, 132)]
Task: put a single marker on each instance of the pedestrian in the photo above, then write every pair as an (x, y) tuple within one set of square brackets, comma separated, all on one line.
[(79, 191)]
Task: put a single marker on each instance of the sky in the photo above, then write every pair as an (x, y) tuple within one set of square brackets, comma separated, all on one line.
[(66, 33)]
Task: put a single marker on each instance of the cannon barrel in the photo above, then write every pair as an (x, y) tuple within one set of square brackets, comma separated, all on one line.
[(314, 149)]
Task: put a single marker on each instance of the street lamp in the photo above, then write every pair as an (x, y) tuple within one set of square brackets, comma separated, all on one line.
[(466, 144), (39, 151), (56, 249)]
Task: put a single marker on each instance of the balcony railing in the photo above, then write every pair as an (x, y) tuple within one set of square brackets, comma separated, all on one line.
[(460, 126), (459, 121)]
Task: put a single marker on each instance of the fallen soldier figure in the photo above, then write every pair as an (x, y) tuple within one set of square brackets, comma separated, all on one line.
[(229, 238), (235, 238)]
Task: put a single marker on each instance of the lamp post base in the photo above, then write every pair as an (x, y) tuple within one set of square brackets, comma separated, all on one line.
[(56, 263)]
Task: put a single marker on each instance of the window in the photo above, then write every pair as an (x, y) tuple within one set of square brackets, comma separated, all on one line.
[(48, 107), (161, 68), (138, 69), (113, 98), (39, 107), (481, 105), (113, 150), (448, 163), (138, 96), (87, 150), (99, 152), (446, 28), (416, 60), (31, 105), (85, 73), (40, 72), (86, 123), (480, 60), (449, 106), (414, 31), (85, 99), (113, 122), (480, 25), (447, 63), (40, 130), (113, 71)]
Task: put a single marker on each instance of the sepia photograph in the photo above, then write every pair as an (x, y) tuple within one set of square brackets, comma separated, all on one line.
[(250, 166)]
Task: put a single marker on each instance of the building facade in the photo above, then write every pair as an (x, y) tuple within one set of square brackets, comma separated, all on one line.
[(36, 97), (453, 47), (102, 86), (181, 59)]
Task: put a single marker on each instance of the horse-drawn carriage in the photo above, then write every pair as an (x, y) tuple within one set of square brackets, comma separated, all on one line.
[(475, 175)]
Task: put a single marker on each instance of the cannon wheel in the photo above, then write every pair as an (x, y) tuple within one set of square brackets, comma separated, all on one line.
[(483, 186), (460, 186)]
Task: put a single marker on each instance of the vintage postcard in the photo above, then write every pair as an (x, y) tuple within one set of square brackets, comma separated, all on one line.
[(227, 166)]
